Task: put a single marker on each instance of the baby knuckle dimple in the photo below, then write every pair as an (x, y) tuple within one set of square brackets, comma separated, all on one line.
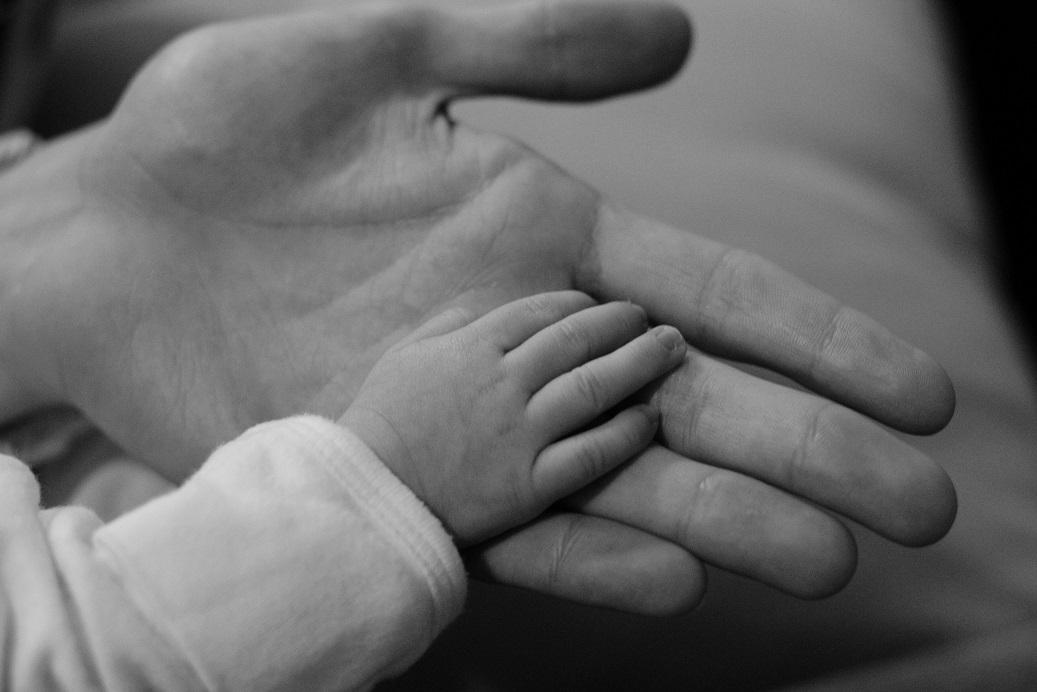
[(537, 305), (573, 337), (590, 457), (589, 387), (522, 491)]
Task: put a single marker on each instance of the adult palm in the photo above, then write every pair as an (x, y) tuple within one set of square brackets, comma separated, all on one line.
[(278, 200)]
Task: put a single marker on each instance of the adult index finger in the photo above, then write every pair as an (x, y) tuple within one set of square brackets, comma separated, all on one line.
[(739, 306)]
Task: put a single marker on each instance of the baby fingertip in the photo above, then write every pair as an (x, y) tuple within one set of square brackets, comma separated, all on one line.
[(650, 413), (669, 337), (642, 313), (648, 409)]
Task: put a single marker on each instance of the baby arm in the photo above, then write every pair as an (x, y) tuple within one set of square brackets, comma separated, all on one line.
[(491, 421), (293, 557)]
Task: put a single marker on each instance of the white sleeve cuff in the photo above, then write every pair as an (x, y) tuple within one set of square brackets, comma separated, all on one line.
[(292, 555), (408, 522)]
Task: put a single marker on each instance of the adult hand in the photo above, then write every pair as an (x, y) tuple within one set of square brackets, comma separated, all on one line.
[(276, 201)]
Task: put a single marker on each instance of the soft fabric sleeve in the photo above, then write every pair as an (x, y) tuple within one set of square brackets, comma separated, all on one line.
[(293, 559)]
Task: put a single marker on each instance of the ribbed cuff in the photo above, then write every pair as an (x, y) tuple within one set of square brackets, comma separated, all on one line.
[(408, 523)]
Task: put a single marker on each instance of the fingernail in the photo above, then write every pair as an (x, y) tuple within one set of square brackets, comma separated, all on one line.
[(641, 312), (669, 337)]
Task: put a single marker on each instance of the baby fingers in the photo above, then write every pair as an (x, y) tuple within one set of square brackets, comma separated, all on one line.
[(575, 398), (570, 342), (512, 323), (571, 463)]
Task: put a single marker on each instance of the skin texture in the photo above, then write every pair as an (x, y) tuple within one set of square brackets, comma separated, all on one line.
[(277, 201), (490, 422)]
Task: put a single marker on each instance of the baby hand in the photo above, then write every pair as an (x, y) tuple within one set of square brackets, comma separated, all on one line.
[(491, 421)]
